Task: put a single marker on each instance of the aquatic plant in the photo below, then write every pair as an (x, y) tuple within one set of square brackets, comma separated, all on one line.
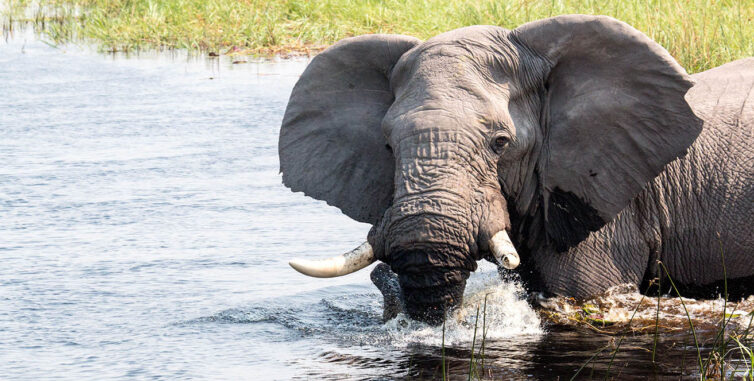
[(717, 364)]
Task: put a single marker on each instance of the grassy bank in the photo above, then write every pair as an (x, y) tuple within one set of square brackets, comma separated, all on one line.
[(700, 33)]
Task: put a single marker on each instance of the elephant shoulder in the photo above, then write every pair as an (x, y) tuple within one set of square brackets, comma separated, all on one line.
[(725, 94)]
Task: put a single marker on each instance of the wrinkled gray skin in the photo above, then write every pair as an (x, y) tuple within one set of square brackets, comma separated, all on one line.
[(578, 135)]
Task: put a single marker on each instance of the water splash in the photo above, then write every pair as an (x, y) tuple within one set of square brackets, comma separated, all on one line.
[(612, 312), (355, 318), (507, 314)]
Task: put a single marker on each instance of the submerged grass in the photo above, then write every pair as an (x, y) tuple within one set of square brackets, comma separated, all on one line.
[(700, 34)]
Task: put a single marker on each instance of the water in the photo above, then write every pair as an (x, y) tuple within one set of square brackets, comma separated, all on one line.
[(145, 234)]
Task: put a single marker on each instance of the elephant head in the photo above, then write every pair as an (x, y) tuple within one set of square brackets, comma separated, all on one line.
[(480, 140)]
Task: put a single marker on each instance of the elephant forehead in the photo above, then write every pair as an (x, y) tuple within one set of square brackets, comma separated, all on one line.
[(479, 34), (450, 71), (449, 93), (472, 40), (477, 52)]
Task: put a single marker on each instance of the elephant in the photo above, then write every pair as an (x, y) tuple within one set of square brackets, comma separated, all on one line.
[(574, 151)]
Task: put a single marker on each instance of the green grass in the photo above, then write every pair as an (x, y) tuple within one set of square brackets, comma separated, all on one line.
[(699, 33), (691, 323)]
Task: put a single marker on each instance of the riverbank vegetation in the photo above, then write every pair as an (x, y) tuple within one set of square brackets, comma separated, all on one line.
[(700, 34)]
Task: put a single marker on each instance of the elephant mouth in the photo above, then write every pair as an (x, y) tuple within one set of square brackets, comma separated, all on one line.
[(432, 304), (430, 290), (428, 304)]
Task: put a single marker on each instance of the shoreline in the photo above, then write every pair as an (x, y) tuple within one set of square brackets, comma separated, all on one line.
[(39, 29), (699, 34)]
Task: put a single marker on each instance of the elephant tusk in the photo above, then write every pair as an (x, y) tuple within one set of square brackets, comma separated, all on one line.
[(340, 265), (504, 251)]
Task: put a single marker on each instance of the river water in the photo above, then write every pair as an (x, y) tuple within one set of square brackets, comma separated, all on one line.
[(145, 234)]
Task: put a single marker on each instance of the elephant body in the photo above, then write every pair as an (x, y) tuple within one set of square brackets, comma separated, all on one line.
[(691, 216), (575, 141)]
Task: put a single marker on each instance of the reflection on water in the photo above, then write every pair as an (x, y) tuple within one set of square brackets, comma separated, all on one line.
[(145, 233)]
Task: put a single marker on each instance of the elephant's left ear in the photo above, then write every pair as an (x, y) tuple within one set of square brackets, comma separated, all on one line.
[(614, 115)]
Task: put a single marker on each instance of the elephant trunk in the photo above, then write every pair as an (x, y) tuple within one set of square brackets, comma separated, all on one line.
[(429, 242)]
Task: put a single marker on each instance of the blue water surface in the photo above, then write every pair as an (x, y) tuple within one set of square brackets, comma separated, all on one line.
[(141, 208)]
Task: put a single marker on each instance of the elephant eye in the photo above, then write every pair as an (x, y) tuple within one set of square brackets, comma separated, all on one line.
[(499, 144)]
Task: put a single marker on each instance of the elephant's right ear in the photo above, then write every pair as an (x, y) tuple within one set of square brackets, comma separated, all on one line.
[(331, 144)]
